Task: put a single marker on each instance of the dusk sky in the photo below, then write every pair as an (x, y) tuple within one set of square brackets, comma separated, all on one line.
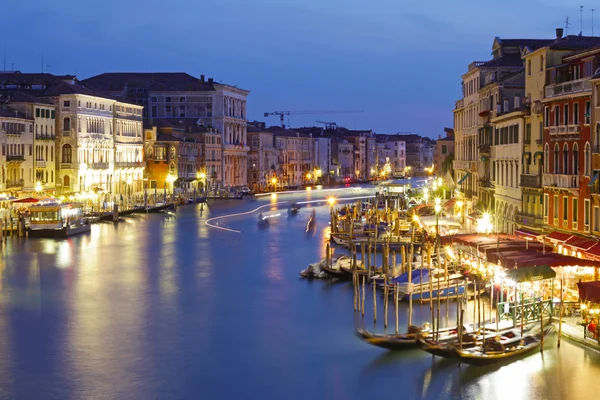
[(399, 61)]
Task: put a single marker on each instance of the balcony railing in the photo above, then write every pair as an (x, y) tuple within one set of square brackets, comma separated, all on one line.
[(460, 103), (98, 165), (65, 165), (13, 157), (14, 132), (461, 164), (564, 129), (15, 183), (40, 164), (561, 89), (531, 181), (44, 137), (66, 133), (127, 164), (484, 148), (485, 183), (561, 181), (530, 220), (539, 141)]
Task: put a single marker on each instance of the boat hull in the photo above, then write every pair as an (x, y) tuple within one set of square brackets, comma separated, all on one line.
[(59, 233), (389, 342)]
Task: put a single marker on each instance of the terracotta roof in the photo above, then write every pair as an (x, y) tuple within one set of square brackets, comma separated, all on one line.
[(507, 60), (522, 43), (164, 137), (8, 112), (153, 81), (16, 96), (574, 42)]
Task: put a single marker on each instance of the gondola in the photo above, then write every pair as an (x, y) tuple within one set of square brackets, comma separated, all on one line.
[(294, 208), (447, 347), (335, 269), (492, 352), (391, 342)]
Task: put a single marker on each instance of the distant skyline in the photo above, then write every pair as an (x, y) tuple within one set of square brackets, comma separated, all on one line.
[(400, 62)]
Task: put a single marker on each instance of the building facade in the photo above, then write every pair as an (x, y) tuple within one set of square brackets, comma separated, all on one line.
[(443, 154), (17, 158)]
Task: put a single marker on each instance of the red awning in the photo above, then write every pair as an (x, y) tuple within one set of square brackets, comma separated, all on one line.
[(559, 236), (581, 243), (589, 291), (26, 200), (526, 233), (450, 203), (528, 258), (594, 251)]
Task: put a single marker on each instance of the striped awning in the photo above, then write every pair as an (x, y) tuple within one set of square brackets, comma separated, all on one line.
[(461, 180)]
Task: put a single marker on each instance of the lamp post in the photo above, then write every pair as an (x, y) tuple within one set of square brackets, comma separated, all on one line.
[(308, 177), (318, 174), (38, 187), (274, 182), (202, 178), (170, 179)]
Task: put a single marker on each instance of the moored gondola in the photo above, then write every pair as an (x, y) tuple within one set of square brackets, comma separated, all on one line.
[(391, 342)]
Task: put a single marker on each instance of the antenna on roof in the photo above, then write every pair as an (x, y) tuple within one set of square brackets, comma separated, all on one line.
[(567, 26), (581, 23), (4, 68), (593, 21)]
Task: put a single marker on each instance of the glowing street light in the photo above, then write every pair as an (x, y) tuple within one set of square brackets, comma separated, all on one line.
[(38, 187), (484, 224), (318, 173), (308, 176), (331, 201), (438, 206)]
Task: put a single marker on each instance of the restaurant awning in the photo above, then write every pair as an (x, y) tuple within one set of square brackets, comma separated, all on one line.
[(26, 200), (529, 258), (526, 233), (559, 236), (589, 291), (581, 243), (593, 252), (535, 273), (430, 220)]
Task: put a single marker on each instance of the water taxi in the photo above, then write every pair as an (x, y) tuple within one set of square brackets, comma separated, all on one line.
[(58, 220)]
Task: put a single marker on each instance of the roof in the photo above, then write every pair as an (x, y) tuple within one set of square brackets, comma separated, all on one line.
[(16, 96), (531, 43), (165, 137), (9, 112), (575, 42), (559, 236), (506, 60), (153, 81)]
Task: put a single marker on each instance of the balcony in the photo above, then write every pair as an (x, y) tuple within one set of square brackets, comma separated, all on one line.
[(531, 181), (15, 183), (461, 164), (484, 148), (127, 164), (485, 183), (98, 165), (40, 164), (459, 104), (65, 165), (571, 87), (561, 181), (531, 220), (45, 137), (15, 158), (539, 141), (564, 130), (14, 132)]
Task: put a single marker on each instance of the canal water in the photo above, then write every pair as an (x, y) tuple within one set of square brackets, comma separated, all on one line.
[(166, 307)]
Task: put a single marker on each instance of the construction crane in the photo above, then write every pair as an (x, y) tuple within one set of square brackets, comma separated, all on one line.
[(282, 114)]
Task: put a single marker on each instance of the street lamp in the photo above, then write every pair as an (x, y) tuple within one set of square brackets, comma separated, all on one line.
[(438, 209), (274, 182), (202, 177), (170, 179), (38, 187), (308, 177), (331, 201), (425, 194)]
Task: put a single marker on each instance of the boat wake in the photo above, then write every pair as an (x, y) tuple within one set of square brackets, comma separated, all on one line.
[(209, 222)]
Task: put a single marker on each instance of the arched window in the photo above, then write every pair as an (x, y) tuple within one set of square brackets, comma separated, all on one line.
[(66, 153), (556, 158), (66, 124), (546, 158), (587, 158), (66, 181), (575, 159), (565, 164), (173, 153)]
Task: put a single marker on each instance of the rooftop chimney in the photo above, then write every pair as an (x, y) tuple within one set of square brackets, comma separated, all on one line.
[(559, 33), (202, 78), (210, 80)]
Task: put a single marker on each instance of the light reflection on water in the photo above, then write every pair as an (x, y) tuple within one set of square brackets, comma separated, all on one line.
[(162, 306)]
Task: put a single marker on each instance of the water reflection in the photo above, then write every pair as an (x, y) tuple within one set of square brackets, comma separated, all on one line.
[(162, 306)]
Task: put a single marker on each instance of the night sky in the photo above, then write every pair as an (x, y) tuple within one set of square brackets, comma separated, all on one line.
[(398, 60)]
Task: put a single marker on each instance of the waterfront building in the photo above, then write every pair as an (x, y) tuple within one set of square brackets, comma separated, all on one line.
[(184, 100), (415, 158), (262, 157), (343, 160), (568, 176), (210, 157), (16, 159), (128, 164), (472, 120), (44, 114), (443, 154), (391, 149), (295, 155)]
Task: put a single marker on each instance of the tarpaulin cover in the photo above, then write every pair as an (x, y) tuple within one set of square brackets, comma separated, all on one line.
[(589, 291)]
